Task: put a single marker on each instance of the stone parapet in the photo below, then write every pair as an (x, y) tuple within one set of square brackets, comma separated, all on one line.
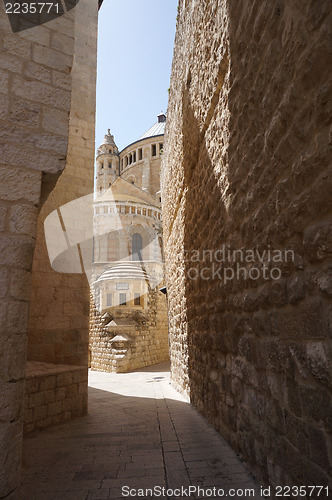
[(53, 394)]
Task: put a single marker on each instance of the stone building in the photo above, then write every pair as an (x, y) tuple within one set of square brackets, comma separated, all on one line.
[(47, 122), (247, 167), (129, 314)]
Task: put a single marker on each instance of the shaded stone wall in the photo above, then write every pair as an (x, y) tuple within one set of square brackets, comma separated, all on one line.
[(37, 73), (59, 310), (248, 145), (53, 394)]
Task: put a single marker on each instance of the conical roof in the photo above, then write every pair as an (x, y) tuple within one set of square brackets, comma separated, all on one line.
[(108, 139)]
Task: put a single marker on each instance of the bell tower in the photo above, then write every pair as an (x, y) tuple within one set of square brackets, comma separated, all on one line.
[(107, 164)]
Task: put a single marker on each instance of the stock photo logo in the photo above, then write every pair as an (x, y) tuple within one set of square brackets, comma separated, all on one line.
[(27, 14)]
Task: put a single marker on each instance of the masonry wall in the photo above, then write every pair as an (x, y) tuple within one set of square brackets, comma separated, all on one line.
[(53, 395), (248, 146), (147, 329), (37, 73)]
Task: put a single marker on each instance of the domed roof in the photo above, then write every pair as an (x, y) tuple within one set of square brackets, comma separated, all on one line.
[(125, 271), (157, 128)]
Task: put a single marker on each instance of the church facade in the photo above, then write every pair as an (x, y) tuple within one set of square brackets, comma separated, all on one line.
[(128, 327)]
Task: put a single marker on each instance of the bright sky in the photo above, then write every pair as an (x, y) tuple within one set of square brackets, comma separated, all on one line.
[(135, 49)]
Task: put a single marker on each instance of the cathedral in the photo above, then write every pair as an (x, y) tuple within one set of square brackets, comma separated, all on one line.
[(128, 324)]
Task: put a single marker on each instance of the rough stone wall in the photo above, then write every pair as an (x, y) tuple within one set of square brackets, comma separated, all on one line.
[(59, 310), (53, 394), (36, 80), (148, 332), (248, 145)]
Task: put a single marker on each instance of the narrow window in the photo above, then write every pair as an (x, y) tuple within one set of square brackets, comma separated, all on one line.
[(136, 247), (100, 189), (109, 299), (137, 299), (154, 150), (161, 148), (140, 154), (135, 157), (102, 165), (109, 164), (123, 299)]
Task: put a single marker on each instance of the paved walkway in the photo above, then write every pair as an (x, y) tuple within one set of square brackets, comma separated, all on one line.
[(139, 433)]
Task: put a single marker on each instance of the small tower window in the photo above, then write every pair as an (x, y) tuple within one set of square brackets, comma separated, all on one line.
[(154, 150), (140, 154), (102, 165), (161, 148), (109, 164), (130, 159), (137, 299), (135, 157), (123, 299)]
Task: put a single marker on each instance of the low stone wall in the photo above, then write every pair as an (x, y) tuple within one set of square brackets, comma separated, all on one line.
[(54, 394)]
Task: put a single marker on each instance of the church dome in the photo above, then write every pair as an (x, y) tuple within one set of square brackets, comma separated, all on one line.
[(125, 271), (157, 128)]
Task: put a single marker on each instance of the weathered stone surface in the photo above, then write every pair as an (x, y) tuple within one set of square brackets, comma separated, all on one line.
[(38, 117), (246, 167)]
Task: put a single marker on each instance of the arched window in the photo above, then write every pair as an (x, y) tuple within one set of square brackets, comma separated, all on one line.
[(136, 248)]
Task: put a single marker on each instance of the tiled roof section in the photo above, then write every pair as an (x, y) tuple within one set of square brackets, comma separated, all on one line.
[(156, 129)]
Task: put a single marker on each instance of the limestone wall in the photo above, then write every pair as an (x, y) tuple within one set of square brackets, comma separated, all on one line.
[(53, 394), (248, 145), (37, 76), (147, 329)]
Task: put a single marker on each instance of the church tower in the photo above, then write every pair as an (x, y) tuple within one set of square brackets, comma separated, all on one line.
[(107, 164)]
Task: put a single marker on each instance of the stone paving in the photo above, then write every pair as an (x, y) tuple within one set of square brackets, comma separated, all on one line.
[(139, 433)]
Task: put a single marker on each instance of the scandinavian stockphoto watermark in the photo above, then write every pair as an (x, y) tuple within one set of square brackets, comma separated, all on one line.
[(228, 264)]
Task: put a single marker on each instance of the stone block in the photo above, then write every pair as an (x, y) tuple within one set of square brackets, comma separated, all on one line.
[(55, 120), (48, 382), (54, 408), (64, 379), (4, 81), (38, 72), (17, 47), (25, 112), (10, 62), (63, 43), (53, 58), (19, 184), (4, 107)]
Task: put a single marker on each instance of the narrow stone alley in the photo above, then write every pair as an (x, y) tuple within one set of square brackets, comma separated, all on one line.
[(139, 434)]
